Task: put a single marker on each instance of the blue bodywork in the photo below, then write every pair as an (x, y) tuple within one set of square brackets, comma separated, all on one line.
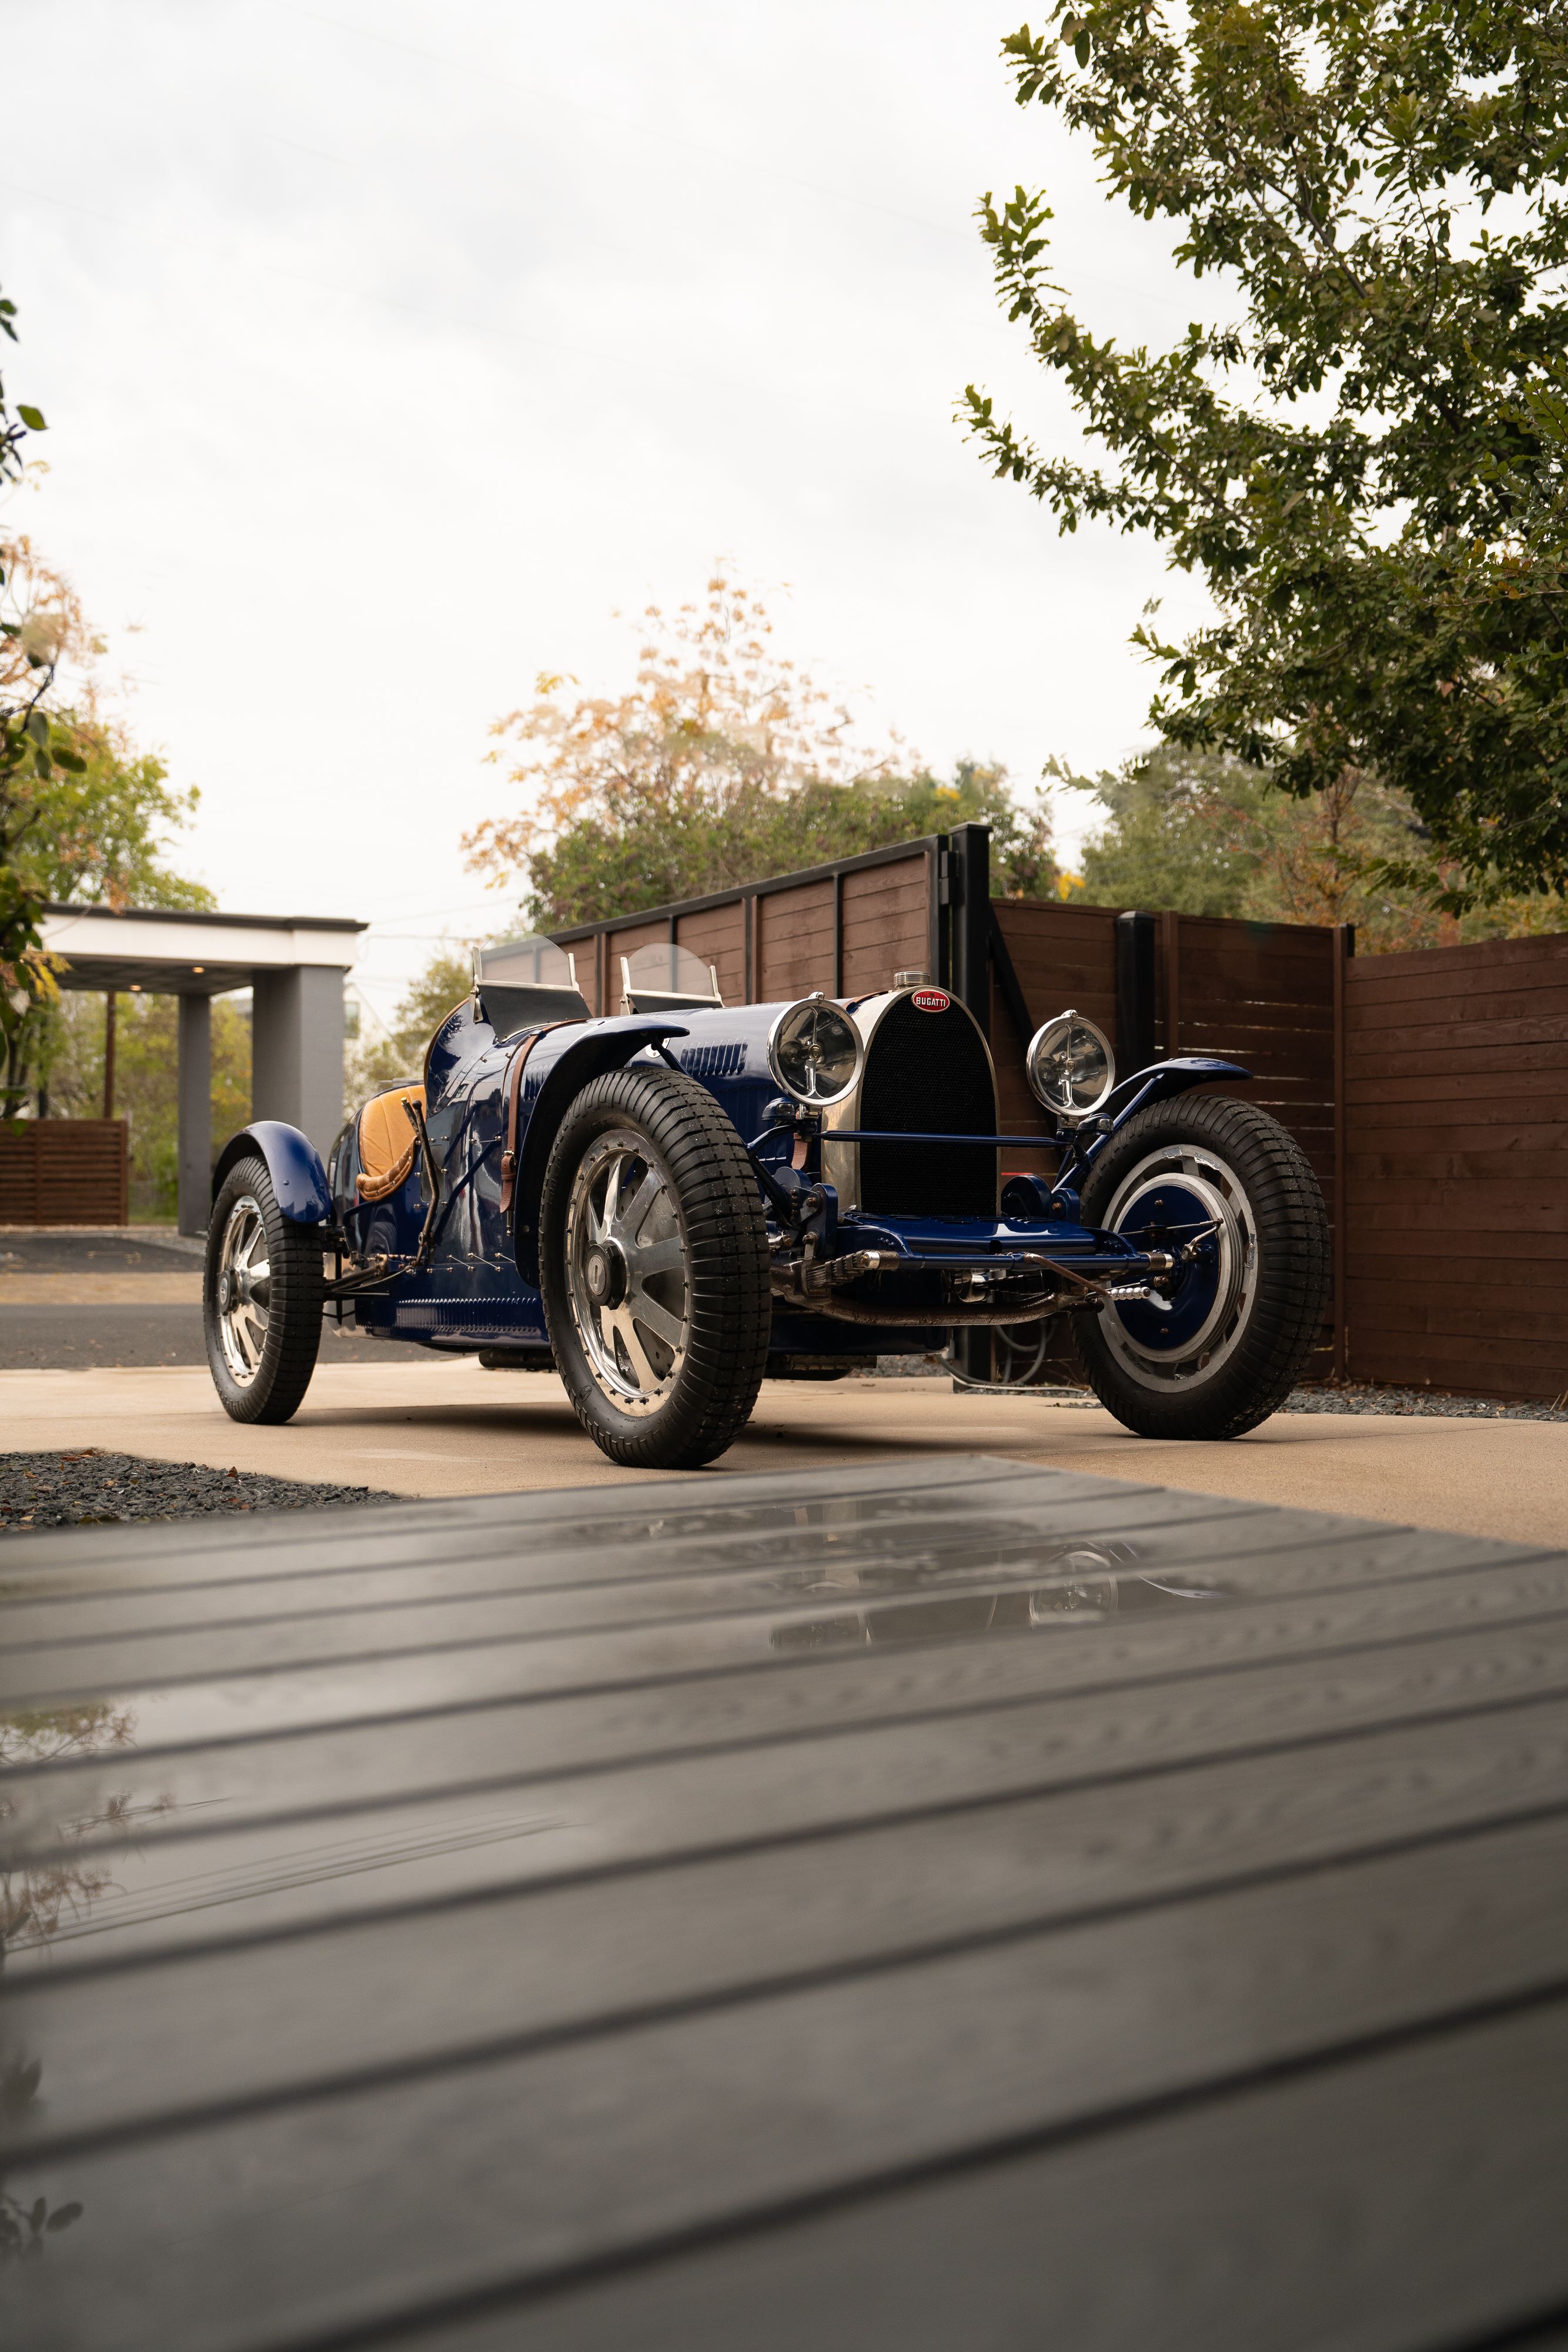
[(475, 1284)]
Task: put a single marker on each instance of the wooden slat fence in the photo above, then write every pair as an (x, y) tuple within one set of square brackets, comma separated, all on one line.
[(845, 928), (64, 1171), (1457, 1168)]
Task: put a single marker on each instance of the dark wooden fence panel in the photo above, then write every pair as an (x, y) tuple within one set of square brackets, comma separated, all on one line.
[(1456, 1108), (888, 922), (64, 1171), (717, 934), (1262, 994), (1060, 956), (845, 928), (794, 941)]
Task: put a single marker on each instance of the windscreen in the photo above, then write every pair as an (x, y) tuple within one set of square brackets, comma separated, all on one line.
[(664, 970), (533, 962)]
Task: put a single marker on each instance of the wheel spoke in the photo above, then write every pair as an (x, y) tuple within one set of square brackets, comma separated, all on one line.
[(648, 1258), (647, 1379), (664, 1326), (630, 1221)]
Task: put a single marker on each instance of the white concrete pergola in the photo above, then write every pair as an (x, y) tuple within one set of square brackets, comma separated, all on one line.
[(294, 964)]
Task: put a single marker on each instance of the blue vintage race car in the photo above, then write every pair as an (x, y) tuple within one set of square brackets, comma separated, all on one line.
[(672, 1203)]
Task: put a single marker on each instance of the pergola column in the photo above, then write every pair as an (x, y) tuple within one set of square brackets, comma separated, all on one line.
[(297, 1049), (195, 1146)]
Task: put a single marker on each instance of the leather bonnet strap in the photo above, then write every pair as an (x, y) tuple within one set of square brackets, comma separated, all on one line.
[(514, 1095)]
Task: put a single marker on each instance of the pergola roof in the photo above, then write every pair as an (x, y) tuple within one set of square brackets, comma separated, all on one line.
[(166, 953)]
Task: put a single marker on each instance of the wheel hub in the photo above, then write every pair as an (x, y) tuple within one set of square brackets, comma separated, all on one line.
[(604, 1274)]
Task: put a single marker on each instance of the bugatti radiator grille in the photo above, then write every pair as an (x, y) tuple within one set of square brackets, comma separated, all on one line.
[(927, 1071)]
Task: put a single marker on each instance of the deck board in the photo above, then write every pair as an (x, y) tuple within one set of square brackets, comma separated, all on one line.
[(881, 1914)]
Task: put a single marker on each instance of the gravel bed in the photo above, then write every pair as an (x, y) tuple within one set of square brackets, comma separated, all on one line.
[(1359, 1396), (96, 1489)]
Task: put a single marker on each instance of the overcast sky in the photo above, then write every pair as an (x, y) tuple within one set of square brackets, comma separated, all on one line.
[(387, 352)]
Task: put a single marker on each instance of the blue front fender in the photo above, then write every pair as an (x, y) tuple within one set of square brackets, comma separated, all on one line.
[(1158, 1083), (293, 1162)]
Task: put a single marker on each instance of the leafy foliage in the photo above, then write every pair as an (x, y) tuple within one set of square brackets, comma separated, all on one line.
[(33, 747), (1356, 451), (89, 823), (1204, 834), (383, 1060), (67, 1047), (721, 764)]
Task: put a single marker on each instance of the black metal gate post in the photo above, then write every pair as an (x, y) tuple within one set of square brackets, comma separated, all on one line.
[(968, 864), (1134, 992)]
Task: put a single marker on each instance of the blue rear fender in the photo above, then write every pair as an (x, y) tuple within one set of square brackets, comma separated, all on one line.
[(293, 1162)]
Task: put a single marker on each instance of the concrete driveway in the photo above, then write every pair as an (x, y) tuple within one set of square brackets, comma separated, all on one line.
[(419, 1425)]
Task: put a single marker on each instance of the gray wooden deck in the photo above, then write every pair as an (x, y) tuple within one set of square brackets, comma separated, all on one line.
[(905, 1910)]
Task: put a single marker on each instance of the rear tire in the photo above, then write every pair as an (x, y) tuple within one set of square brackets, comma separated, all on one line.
[(653, 1266), (261, 1299), (1243, 1319)]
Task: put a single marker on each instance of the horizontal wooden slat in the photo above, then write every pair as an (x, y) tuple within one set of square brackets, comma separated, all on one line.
[(1409, 2199)]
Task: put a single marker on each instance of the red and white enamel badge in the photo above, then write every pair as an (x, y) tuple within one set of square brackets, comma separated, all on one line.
[(931, 999)]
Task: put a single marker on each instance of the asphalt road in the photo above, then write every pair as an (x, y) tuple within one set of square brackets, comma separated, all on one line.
[(77, 1302), (62, 1338)]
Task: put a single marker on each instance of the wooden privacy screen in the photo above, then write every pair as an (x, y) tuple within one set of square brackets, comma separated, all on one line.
[(1456, 1102), (64, 1171), (1260, 994)]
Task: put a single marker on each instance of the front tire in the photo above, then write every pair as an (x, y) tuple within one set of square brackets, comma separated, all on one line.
[(1245, 1315), (261, 1299), (653, 1266)]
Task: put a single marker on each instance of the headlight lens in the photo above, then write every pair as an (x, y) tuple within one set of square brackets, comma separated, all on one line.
[(814, 1051), (1071, 1065)]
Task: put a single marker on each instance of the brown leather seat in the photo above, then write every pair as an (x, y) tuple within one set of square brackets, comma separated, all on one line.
[(388, 1145)]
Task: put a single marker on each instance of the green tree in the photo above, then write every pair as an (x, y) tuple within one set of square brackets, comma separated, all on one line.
[(1174, 833), (1351, 450), (721, 763), (69, 1059), (101, 832), (383, 1060), (1205, 834), (658, 853), (90, 825), (33, 747)]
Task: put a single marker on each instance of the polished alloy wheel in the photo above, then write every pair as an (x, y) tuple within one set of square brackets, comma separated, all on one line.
[(1184, 1195), (626, 1272), (243, 1290)]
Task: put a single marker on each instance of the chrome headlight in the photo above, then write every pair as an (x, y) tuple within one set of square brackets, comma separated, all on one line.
[(1071, 1065), (814, 1051)]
